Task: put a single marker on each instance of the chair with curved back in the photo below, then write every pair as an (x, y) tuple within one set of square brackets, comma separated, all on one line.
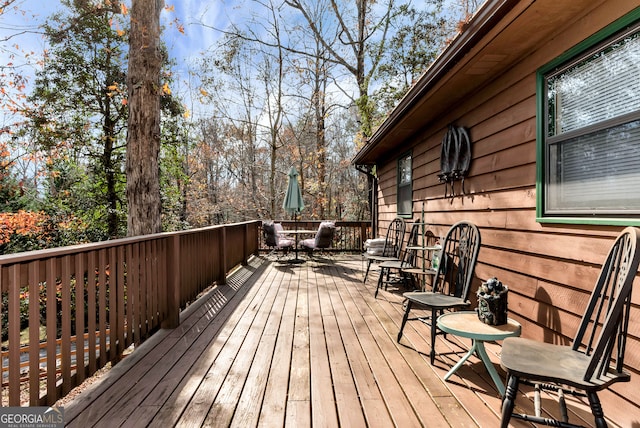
[(323, 239), (272, 238), (452, 281), (392, 245), (407, 259), (595, 358)]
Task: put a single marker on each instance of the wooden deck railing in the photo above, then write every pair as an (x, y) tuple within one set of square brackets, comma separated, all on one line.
[(84, 305), (118, 291)]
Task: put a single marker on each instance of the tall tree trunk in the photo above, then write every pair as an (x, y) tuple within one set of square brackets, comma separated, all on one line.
[(320, 109), (143, 137), (110, 175)]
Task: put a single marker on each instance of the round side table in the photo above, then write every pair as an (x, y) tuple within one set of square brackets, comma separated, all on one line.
[(466, 324)]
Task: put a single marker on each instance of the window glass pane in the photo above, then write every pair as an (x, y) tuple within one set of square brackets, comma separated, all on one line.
[(603, 86), (404, 202), (405, 170), (599, 171)]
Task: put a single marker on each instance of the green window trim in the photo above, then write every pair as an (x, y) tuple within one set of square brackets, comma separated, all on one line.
[(404, 186), (580, 50)]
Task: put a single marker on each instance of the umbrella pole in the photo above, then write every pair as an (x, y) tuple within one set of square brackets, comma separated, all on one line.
[(296, 260)]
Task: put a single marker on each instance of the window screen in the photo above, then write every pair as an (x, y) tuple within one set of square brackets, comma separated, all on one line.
[(592, 141)]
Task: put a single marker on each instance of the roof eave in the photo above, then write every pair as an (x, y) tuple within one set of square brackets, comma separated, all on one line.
[(484, 19)]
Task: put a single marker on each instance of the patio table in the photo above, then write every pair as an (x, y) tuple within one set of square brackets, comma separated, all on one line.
[(466, 324), (297, 232)]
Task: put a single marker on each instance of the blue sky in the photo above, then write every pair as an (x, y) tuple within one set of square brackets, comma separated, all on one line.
[(199, 20), (192, 14), (22, 20), (189, 12)]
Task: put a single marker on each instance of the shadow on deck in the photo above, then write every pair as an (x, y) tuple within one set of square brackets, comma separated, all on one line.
[(292, 345)]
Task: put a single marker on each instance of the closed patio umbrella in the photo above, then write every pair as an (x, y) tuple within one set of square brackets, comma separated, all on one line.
[(293, 202)]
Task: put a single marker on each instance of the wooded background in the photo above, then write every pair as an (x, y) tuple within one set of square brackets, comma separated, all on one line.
[(292, 83)]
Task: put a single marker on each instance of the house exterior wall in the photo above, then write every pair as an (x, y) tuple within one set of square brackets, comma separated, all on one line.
[(550, 268)]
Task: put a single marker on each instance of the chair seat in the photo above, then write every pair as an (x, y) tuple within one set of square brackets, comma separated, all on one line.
[(308, 243), (547, 362), (380, 258), (436, 300), (284, 242), (391, 264), (419, 271)]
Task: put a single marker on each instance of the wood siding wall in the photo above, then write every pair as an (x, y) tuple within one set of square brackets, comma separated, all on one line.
[(550, 269)]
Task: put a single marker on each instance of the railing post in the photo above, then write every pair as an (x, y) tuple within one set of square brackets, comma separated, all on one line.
[(223, 254), (363, 235), (173, 283), (252, 240), (245, 245), (256, 240)]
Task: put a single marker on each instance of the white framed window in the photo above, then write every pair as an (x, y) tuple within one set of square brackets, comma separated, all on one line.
[(589, 141), (405, 187)]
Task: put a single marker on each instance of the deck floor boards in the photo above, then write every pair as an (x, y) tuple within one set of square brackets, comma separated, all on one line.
[(292, 345)]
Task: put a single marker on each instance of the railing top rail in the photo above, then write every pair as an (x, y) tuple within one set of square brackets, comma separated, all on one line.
[(26, 256), (337, 222)]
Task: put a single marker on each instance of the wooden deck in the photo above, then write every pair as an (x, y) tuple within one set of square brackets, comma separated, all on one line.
[(292, 345)]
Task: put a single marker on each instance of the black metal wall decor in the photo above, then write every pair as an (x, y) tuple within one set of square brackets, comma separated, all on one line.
[(455, 158)]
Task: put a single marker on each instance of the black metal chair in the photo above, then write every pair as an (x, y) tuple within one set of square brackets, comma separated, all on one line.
[(273, 240), (407, 259), (392, 245), (323, 239), (452, 281), (595, 359)]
